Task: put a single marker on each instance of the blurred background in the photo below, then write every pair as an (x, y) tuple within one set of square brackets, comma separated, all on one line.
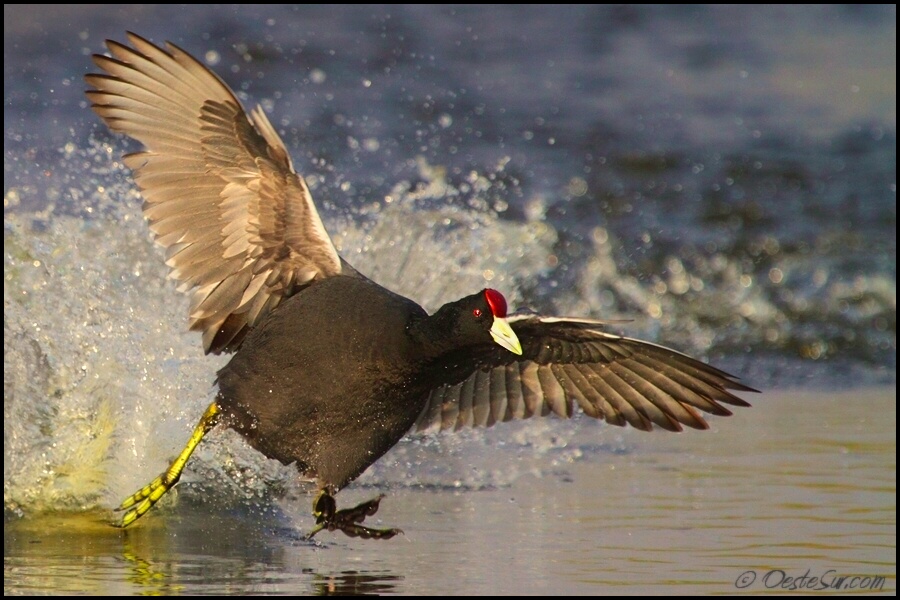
[(723, 176)]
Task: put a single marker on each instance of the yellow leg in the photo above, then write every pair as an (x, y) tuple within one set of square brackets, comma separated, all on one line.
[(143, 500)]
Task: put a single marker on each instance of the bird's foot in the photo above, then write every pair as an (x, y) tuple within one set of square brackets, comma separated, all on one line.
[(348, 520), (143, 500)]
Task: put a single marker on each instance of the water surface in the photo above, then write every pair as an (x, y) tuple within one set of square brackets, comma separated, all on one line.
[(803, 482)]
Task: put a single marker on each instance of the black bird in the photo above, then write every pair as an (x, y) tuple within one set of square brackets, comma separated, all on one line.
[(330, 369)]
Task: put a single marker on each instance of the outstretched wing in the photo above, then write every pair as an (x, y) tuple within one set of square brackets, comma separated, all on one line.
[(220, 192), (570, 361)]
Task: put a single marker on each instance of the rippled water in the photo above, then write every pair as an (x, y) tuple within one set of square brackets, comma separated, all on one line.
[(724, 176), (802, 484)]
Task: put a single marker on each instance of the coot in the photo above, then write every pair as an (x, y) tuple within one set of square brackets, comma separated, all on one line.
[(330, 369)]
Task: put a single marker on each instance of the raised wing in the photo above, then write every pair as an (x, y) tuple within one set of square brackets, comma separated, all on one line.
[(569, 361), (220, 192)]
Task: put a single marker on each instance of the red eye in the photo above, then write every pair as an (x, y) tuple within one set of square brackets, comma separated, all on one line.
[(477, 312)]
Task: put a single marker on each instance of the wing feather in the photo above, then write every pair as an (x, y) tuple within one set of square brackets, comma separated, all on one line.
[(220, 192), (568, 362)]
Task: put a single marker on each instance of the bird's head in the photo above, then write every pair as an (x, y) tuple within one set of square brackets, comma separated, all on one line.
[(476, 319)]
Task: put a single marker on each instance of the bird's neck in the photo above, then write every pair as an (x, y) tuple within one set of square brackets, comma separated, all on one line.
[(433, 335)]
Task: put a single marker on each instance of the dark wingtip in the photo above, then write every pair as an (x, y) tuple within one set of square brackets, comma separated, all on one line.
[(745, 388), (740, 387)]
